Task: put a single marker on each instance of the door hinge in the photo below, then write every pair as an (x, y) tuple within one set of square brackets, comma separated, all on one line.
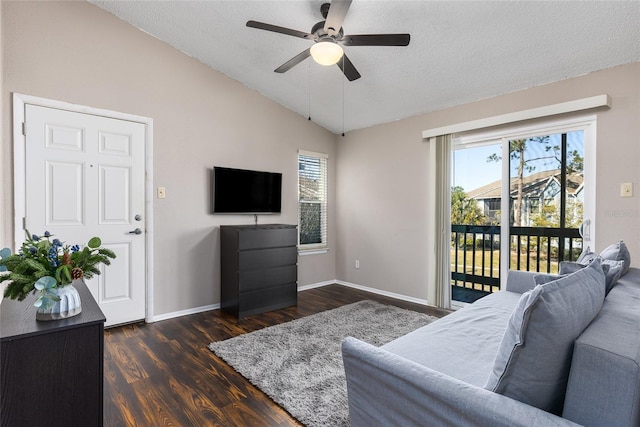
[(24, 222), (24, 128)]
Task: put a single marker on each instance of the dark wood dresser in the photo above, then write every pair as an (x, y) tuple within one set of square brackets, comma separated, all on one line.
[(51, 372), (259, 270)]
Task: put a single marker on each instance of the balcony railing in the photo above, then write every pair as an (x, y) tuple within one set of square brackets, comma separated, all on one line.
[(475, 256)]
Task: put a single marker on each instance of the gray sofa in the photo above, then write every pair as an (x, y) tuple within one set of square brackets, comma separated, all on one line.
[(444, 374)]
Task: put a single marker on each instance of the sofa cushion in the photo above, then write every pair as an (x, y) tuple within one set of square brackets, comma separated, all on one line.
[(615, 270), (520, 281), (462, 344), (543, 278), (586, 256), (612, 271), (533, 361), (618, 252)]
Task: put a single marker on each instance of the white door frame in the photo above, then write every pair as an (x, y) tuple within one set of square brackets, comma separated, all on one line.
[(19, 174)]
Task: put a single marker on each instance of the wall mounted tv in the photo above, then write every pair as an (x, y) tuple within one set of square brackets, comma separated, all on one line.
[(240, 191)]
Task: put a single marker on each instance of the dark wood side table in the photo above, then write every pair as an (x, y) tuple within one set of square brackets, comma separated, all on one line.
[(51, 373)]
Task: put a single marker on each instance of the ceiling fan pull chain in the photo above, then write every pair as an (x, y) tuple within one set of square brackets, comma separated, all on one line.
[(342, 80)]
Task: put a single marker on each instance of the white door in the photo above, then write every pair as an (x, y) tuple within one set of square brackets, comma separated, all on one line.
[(85, 177)]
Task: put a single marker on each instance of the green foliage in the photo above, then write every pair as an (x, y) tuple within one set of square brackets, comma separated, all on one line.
[(47, 296), (43, 264), (465, 210), (94, 243), (549, 215), (524, 161)]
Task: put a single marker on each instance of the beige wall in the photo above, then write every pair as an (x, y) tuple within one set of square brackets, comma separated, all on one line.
[(384, 224), (77, 53)]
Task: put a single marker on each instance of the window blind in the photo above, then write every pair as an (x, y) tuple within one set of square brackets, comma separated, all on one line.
[(312, 200)]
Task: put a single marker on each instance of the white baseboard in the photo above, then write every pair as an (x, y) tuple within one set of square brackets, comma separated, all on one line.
[(384, 293), (196, 310), (316, 285), (186, 312)]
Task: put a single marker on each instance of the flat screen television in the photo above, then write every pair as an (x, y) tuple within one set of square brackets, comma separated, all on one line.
[(240, 191)]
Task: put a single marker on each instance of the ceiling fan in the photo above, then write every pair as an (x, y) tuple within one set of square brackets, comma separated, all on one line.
[(328, 35)]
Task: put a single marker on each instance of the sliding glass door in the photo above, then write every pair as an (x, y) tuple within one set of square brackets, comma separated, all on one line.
[(517, 202)]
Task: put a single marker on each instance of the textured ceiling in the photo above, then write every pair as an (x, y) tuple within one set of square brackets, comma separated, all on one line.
[(460, 51)]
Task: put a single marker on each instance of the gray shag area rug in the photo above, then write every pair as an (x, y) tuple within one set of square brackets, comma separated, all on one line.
[(298, 364)]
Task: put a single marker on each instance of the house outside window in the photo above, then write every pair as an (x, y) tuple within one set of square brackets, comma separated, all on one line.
[(312, 201)]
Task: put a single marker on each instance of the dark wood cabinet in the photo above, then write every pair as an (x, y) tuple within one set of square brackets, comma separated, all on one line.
[(259, 269), (51, 372)]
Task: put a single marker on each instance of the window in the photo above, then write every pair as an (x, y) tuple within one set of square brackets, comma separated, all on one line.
[(312, 200), (535, 175)]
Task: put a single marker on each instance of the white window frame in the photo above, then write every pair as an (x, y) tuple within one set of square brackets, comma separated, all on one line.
[(323, 247), (585, 123)]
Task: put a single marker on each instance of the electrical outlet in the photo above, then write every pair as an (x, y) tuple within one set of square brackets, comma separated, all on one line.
[(626, 189), (357, 263), (162, 193)]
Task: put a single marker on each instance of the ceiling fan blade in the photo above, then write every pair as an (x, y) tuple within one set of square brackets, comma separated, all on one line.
[(348, 68), (376, 40), (293, 61), (281, 30), (335, 17)]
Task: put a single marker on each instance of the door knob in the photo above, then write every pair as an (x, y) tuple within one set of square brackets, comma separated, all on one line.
[(136, 231)]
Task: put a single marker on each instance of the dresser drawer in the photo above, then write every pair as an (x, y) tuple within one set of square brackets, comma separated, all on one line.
[(267, 300), (267, 258), (251, 280), (267, 238)]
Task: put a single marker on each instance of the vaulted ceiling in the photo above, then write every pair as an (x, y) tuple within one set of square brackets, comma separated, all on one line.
[(460, 51)]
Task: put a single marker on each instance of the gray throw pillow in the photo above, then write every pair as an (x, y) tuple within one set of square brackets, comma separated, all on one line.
[(568, 267), (541, 279), (533, 361), (586, 256), (618, 252), (612, 271), (613, 274)]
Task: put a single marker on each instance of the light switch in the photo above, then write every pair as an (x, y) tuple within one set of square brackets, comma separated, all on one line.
[(161, 193), (626, 189)]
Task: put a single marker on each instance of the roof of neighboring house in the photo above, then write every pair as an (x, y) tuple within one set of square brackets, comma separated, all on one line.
[(533, 185)]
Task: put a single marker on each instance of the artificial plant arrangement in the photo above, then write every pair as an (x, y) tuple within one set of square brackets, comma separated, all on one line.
[(44, 264)]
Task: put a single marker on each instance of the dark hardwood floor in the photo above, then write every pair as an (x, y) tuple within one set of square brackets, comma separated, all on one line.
[(163, 374)]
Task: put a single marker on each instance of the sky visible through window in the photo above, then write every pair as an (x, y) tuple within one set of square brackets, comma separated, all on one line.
[(471, 168)]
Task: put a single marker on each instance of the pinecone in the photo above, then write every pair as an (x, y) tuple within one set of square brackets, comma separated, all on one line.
[(76, 273)]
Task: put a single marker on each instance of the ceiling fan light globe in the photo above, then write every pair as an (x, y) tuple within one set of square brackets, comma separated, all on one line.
[(326, 53)]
